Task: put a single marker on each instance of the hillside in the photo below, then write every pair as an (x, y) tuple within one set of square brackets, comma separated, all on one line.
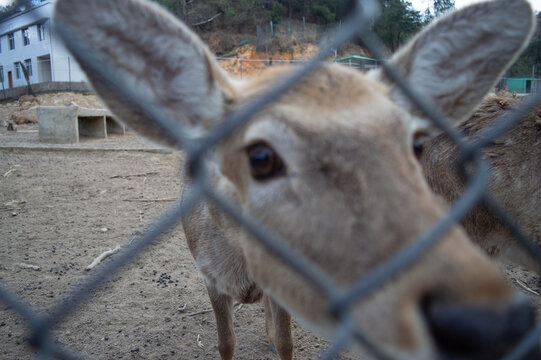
[(244, 54), (277, 29)]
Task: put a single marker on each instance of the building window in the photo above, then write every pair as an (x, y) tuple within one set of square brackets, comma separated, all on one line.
[(28, 65), (17, 70), (11, 40), (41, 32), (26, 36), (1, 74)]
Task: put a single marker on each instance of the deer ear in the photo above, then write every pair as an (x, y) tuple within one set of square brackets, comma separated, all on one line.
[(153, 54), (456, 61)]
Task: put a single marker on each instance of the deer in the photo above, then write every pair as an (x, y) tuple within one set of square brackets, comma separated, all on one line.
[(330, 168), (513, 182)]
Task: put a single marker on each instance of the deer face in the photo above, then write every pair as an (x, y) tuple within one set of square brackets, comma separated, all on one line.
[(338, 179)]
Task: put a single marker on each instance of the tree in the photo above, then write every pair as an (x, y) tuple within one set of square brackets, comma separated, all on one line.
[(397, 23), (278, 12), (427, 16), (325, 11), (529, 63), (17, 6), (443, 6)]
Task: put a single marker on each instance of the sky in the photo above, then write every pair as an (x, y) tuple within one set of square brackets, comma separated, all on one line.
[(422, 4)]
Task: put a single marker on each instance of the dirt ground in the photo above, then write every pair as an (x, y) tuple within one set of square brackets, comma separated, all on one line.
[(254, 62), (61, 207)]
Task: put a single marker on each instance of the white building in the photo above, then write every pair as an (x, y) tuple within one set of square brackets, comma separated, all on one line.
[(27, 37)]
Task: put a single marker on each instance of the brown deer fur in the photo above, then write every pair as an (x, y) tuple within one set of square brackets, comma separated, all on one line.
[(515, 163), (334, 174)]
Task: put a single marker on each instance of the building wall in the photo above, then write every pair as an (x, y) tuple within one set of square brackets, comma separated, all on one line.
[(50, 61), (522, 85), (64, 66)]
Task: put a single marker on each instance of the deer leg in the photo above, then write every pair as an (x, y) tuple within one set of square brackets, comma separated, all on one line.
[(269, 323), (223, 305), (283, 341)]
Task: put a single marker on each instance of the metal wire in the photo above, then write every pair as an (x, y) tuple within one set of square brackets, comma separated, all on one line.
[(340, 300), (526, 345)]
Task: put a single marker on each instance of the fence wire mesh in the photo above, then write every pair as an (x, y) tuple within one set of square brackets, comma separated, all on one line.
[(340, 300)]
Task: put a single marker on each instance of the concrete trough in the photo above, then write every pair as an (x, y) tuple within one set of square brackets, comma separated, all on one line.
[(67, 124)]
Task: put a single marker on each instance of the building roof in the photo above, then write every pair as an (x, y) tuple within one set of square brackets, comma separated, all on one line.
[(356, 57), (522, 78)]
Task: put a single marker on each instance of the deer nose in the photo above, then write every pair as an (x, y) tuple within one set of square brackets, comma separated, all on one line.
[(479, 332)]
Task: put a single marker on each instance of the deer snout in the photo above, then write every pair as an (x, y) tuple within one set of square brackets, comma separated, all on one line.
[(479, 332)]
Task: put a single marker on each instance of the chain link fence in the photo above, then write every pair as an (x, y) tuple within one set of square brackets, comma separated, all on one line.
[(340, 302)]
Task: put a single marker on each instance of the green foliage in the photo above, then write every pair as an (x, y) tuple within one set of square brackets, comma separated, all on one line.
[(278, 12), (325, 11), (427, 16), (443, 6), (530, 61), (247, 13), (438, 8), (397, 23), (171, 5), (16, 6)]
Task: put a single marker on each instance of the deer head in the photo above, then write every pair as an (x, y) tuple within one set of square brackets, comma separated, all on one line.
[(330, 166)]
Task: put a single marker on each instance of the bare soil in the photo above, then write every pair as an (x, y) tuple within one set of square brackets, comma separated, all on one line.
[(61, 207), (248, 62)]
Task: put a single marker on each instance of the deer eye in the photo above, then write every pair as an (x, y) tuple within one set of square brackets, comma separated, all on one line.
[(419, 139), (418, 149), (264, 162)]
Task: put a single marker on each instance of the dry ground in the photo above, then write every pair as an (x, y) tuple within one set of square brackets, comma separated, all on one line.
[(64, 200), (60, 209)]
